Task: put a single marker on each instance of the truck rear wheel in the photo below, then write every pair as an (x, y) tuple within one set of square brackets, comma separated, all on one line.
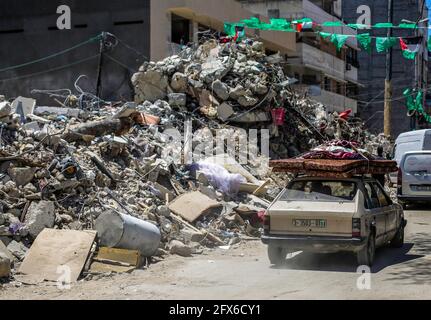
[(276, 254), (366, 255)]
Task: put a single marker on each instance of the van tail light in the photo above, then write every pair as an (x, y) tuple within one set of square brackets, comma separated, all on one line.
[(266, 223), (400, 181), (356, 228)]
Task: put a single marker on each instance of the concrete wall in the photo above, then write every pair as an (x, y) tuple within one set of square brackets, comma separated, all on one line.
[(372, 69), (27, 32), (212, 14)]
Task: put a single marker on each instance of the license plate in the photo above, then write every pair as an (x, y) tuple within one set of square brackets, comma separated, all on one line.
[(421, 188), (310, 223)]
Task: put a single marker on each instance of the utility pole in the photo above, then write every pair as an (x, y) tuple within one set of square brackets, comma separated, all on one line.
[(388, 80), (100, 65)]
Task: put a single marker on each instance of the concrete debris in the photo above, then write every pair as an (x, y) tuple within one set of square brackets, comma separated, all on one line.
[(179, 248), (17, 249), (5, 265), (128, 170), (40, 215)]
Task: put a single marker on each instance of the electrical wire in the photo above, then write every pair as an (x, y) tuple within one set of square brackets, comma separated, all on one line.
[(49, 70), (52, 55)]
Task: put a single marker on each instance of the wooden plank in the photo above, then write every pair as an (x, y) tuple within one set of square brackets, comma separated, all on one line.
[(131, 257)]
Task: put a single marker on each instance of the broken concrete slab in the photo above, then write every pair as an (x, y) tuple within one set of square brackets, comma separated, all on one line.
[(192, 205), (224, 111), (4, 250), (179, 248), (21, 176), (5, 109), (150, 85), (40, 215), (179, 82), (58, 111), (5, 265), (58, 252), (177, 99), (221, 90), (27, 105), (17, 249)]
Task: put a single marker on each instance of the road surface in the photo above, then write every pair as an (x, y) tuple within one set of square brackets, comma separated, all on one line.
[(245, 273)]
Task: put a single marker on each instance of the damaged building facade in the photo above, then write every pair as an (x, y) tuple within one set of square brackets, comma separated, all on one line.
[(329, 77), (31, 30)]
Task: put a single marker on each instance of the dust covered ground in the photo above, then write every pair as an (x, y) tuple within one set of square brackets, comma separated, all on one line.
[(243, 272)]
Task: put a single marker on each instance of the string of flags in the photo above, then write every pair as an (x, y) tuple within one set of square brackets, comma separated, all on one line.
[(410, 46), (415, 104)]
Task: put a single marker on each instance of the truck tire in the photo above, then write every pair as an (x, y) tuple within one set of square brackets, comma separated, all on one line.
[(276, 254), (367, 254), (398, 240)]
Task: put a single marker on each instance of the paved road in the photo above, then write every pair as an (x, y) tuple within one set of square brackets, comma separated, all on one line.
[(245, 273)]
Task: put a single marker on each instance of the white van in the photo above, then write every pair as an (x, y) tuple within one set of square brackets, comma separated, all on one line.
[(414, 178), (410, 141)]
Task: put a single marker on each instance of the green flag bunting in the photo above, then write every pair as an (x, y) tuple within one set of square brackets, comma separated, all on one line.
[(364, 40), (339, 40), (416, 104), (384, 43), (383, 25)]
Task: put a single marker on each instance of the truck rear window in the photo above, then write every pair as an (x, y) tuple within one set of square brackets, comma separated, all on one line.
[(320, 191)]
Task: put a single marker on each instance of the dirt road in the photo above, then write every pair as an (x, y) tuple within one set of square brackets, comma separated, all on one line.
[(244, 273)]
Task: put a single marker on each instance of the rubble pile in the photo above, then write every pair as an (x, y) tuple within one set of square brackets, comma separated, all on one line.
[(69, 167)]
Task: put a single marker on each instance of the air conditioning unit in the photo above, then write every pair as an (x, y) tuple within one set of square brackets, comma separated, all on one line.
[(348, 66)]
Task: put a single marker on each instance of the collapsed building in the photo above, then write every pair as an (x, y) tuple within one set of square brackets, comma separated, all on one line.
[(115, 167)]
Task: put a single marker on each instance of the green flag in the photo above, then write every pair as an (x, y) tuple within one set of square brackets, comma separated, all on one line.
[(357, 26), (333, 24), (383, 25), (364, 40), (252, 23), (407, 25), (339, 40), (229, 29), (325, 35), (281, 25), (384, 43)]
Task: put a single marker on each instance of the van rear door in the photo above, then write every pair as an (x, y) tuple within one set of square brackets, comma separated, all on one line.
[(416, 170)]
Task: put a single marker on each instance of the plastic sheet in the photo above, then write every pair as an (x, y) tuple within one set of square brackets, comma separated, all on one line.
[(220, 178)]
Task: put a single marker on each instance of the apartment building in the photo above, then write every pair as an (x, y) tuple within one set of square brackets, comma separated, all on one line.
[(328, 75)]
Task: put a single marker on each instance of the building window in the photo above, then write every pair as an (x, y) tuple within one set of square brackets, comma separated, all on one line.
[(309, 79), (273, 13), (180, 30), (327, 84)]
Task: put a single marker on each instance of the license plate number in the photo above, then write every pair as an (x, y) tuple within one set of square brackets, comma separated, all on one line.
[(421, 188), (310, 223)]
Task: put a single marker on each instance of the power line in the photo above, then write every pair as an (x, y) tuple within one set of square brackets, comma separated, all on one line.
[(50, 70), (52, 55)]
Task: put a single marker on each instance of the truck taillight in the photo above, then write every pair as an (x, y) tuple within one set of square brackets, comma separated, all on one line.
[(356, 227), (400, 181), (266, 222)]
